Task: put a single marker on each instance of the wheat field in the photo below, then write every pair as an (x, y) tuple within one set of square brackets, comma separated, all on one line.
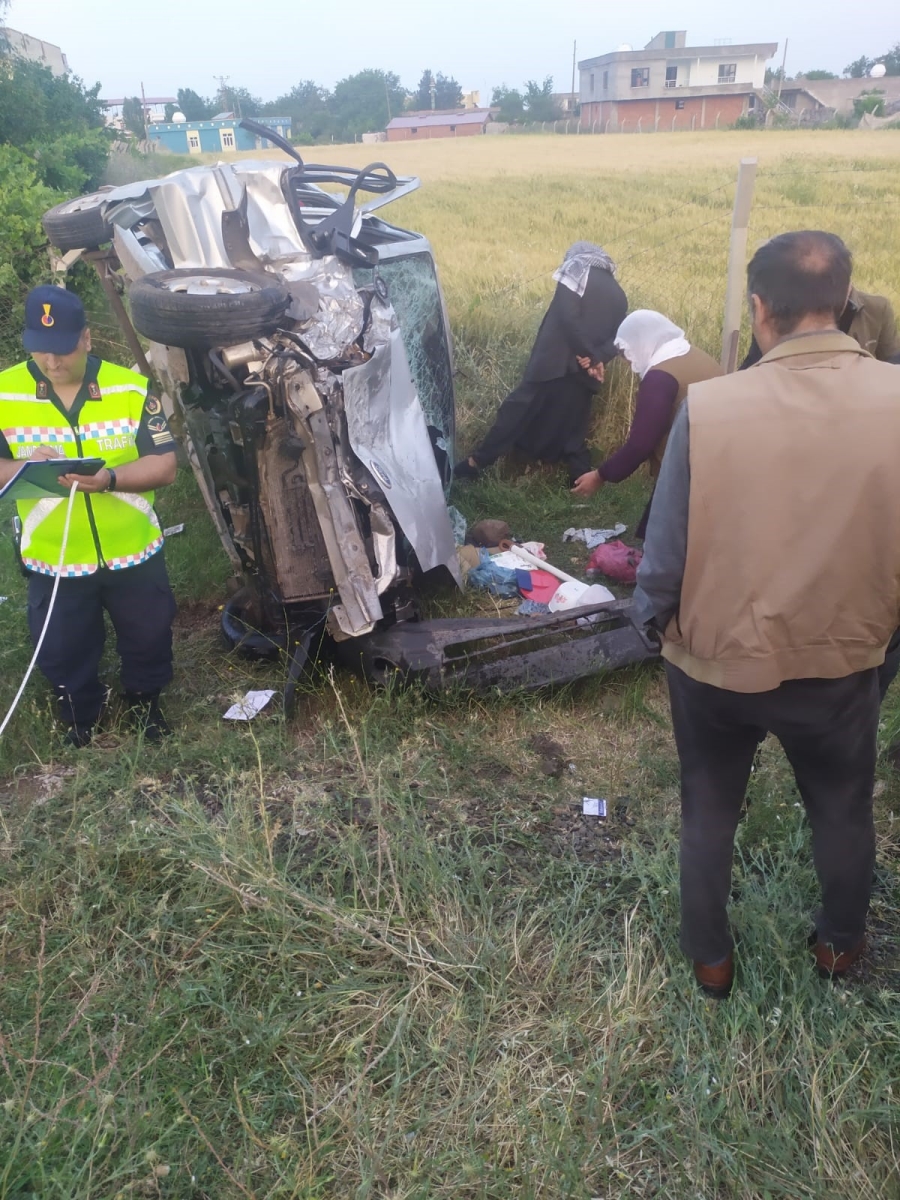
[(376, 952)]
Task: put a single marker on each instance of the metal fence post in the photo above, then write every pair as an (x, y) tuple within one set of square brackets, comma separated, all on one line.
[(737, 259)]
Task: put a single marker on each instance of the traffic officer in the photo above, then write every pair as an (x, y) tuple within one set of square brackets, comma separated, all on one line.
[(67, 402)]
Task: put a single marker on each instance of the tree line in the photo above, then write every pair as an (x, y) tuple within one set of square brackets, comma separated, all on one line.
[(359, 104)]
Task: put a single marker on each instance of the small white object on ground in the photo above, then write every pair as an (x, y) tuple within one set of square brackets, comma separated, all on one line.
[(246, 709), (593, 538), (3, 599), (173, 529), (578, 595), (591, 807)]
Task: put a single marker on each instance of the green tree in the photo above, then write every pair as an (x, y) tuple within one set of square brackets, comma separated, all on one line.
[(859, 67), (194, 107), (239, 101), (862, 66), (869, 102), (24, 198), (510, 102), (171, 110), (539, 102), (133, 117), (447, 92), (814, 75), (362, 103), (307, 104), (57, 122)]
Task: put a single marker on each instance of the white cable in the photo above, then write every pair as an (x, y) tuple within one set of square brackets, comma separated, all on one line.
[(40, 641)]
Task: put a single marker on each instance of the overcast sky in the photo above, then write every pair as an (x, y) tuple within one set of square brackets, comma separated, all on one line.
[(269, 46)]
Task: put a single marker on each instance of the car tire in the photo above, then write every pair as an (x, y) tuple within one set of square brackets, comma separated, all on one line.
[(195, 308), (78, 224)]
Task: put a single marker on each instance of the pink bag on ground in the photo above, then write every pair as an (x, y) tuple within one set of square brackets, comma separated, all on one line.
[(616, 561)]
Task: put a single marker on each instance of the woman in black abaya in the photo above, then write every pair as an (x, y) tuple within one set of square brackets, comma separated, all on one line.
[(547, 416)]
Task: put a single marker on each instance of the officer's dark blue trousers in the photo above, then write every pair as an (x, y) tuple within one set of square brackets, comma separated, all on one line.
[(141, 606)]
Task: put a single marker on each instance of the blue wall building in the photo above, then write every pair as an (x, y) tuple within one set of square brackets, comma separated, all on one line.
[(220, 133)]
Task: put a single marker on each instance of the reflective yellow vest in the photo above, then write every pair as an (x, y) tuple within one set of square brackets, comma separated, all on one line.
[(108, 529)]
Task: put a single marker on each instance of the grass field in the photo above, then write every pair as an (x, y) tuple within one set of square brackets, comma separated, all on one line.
[(377, 952)]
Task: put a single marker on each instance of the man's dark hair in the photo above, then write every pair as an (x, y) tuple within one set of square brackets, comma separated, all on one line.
[(797, 275)]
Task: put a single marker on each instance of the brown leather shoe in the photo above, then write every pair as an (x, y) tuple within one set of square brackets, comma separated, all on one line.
[(832, 964), (715, 981)]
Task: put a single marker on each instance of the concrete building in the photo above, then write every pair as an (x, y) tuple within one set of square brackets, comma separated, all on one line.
[(154, 110), (670, 85), (220, 133), (424, 126), (812, 99), (34, 50)]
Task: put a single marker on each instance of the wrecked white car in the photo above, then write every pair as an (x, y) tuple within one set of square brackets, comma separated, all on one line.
[(303, 349)]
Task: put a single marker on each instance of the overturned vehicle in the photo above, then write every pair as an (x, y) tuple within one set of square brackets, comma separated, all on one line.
[(303, 349)]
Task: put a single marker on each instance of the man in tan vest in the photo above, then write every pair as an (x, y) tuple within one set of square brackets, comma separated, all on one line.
[(772, 571)]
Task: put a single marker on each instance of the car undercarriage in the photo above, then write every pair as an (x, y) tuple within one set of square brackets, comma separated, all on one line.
[(303, 350)]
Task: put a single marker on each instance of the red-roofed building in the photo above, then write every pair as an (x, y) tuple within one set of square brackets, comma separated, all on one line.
[(424, 126)]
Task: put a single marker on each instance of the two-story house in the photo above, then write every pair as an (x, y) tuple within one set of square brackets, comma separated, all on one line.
[(670, 85)]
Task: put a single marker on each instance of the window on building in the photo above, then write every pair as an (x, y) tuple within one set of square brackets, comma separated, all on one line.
[(592, 83), (679, 104), (453, 129), (671, 77), (228, 141), (670, 40), (751, 102), (415, 129), (606, 81), (640, 77), (727, 72), (193, 141)]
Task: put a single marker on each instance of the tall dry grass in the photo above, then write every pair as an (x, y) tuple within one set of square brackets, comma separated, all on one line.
[(500, 213)]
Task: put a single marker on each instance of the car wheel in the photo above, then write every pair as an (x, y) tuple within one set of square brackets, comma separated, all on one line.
[(78, 224), (197, 309)]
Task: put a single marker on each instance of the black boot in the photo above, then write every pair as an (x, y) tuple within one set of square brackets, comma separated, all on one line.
[(79, 736), (465, 470), (144, 713)]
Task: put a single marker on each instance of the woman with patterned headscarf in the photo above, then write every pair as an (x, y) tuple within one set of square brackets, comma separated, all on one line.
[(547, 416)]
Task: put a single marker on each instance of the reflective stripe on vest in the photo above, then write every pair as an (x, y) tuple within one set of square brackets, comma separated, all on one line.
[(127, 529)]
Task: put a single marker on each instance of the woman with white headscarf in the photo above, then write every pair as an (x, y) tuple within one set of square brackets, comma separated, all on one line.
[(547, 416), (667, 364)]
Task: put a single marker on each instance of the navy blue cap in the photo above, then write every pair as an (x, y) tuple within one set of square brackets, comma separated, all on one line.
[(54, 320)]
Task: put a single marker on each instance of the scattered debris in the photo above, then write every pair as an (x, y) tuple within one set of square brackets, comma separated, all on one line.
[(553, 756), (616, 561), (592, 807), (593, 537), (489, 533), (247, 709), (573, 594), (173, 529)]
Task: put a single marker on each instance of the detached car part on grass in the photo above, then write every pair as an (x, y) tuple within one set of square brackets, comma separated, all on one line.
[(304, 352)]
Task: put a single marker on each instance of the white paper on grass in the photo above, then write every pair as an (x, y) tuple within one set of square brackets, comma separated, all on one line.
[(591, 807), (246, 709), (173, 529), (593, 538)]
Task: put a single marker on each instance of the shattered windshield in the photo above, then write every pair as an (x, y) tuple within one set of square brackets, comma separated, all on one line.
[(413, 289)]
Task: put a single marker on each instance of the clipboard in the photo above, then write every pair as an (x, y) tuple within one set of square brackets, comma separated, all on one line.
[(38, 478)]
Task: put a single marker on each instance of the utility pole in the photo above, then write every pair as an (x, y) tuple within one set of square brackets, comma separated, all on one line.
[(387, 96), (222, 81), (574, 56), (783, 61), (144, 106), (432, 87)]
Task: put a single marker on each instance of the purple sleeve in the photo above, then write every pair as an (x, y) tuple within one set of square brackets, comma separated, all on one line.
[(653, 415)]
